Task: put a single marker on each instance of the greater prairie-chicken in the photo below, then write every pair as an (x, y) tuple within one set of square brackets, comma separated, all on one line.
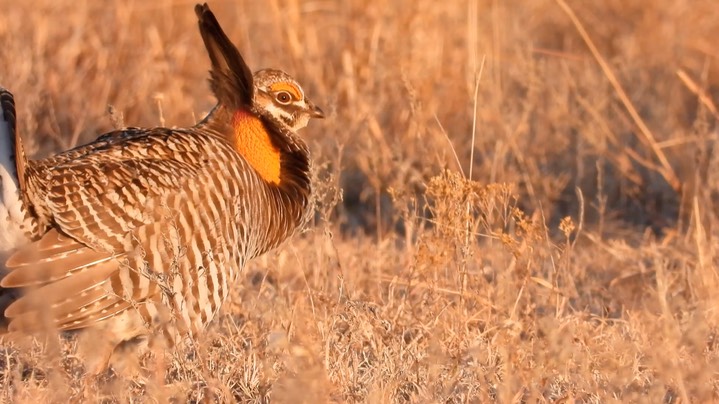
[(144, 231)]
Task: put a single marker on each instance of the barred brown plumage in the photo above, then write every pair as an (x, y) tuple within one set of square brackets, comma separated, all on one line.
[(143, 231)]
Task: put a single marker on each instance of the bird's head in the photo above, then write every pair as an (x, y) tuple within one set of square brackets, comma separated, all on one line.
[(280, 96)]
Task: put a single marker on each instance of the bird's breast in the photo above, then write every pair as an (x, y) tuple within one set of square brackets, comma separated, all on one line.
[(252, 141)]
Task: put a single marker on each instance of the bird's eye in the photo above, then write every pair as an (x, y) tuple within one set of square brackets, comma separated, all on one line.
[(283, 97)]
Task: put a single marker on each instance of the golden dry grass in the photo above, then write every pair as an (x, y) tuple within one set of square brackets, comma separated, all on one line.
[(577, 264)]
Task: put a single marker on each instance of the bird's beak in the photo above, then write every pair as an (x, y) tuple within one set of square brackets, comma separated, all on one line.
[(315, 111)]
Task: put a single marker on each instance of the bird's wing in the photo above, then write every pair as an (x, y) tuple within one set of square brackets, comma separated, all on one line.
[(123, 215)]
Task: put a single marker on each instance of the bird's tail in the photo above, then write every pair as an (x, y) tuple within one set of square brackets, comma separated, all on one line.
[(15, 222)]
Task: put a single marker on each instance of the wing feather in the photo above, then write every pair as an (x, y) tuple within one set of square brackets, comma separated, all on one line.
[(52, 258), (50, 304), (98, 314)]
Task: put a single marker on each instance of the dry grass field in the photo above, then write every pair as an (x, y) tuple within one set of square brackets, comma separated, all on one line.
[(515, 199)]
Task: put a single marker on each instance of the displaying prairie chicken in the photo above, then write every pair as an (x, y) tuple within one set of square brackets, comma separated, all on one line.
[(144, 231)]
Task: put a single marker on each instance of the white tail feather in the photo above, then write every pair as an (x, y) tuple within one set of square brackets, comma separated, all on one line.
[(11, 203)]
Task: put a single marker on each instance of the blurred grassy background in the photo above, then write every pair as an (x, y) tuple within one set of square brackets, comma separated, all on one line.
[(418, 284)]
